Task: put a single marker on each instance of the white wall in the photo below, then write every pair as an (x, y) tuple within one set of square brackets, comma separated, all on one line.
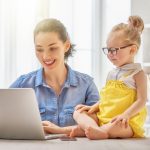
[(114, 12)]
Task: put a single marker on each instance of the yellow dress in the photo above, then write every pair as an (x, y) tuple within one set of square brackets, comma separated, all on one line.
[(116, 97)]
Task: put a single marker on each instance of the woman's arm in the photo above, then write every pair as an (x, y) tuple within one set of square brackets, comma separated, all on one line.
[(50, 127), (92, 94)]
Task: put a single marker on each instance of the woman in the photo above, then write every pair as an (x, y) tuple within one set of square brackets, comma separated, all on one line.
[(58, 88)]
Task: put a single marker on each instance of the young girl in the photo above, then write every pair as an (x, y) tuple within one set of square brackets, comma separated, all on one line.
[(122, 109)]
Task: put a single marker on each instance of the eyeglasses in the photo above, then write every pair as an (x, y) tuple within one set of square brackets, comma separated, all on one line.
[(114, 50)]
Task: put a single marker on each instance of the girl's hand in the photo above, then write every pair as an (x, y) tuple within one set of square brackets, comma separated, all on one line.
[(94, 108), (122, 120), (90, 109), (82, 108)]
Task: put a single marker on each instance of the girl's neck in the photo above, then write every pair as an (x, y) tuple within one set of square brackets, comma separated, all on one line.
[(128, 62)]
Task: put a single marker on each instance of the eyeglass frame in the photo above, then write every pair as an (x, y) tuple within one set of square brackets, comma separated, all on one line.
[(114, 52)]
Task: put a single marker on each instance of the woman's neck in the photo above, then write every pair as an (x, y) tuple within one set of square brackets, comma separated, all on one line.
[(56, 78)]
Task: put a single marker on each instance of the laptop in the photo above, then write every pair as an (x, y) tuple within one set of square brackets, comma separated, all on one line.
[(20, 116)]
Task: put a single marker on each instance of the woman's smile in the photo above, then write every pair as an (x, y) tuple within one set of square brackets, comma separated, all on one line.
[(49, 62)]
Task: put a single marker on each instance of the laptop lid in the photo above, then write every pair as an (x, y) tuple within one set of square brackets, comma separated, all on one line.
[(19, 115)]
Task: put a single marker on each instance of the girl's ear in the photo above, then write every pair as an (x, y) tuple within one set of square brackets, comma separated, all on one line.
[(133, 50)]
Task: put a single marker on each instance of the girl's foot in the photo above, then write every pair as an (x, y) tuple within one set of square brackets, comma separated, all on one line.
[(77, 132), (95, 133)]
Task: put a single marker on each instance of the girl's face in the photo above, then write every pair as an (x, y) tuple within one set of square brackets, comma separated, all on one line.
[(121, 53), (50, 50)]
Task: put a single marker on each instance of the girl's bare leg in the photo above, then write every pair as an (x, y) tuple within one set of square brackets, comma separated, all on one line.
[(113, 131), (86, 121), (117, 131)]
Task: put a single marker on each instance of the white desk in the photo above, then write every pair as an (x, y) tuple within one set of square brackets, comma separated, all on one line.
[(80, 144)]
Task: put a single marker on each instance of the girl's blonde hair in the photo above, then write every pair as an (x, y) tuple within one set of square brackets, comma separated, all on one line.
[(131, 31), (54, 25)]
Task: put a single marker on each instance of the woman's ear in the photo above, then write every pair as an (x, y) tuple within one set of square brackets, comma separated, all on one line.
[(67, 45)]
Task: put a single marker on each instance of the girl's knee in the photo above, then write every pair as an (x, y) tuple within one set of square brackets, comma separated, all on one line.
[(115, 131), (76, 114)]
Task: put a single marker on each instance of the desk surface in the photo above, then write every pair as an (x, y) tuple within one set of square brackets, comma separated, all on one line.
[(80, 144)]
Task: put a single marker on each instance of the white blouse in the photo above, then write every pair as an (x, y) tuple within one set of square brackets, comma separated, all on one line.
[(125, 73)]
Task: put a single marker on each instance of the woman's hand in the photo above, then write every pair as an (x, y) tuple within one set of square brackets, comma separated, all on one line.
[(122, 120), (50, 127)]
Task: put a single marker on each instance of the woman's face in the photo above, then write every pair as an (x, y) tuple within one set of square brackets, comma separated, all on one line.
[(50, 50)]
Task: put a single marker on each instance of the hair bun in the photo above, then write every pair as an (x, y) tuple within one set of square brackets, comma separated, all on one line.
[(136, 22)]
